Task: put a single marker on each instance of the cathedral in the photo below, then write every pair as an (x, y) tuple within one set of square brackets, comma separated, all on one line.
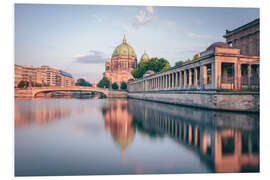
[(123, 61)]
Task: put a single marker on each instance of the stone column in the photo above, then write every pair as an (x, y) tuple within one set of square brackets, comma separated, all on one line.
[(180, 79), (190, 78), (165, 81), (160, 86), (185, 78), (173, 80), (196, 77), (204, 75), (237, 76), (169, 81), (217, 74), (213, 75)]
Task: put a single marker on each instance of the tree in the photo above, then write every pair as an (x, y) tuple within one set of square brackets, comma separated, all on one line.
[(196, 56), (82, 82), (104, 83), (22, 84), (167, 66), (115, 86), (123, 86), (154, 64), (178, 63)]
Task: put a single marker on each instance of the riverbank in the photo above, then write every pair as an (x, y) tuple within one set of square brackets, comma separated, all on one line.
[(229, 101)]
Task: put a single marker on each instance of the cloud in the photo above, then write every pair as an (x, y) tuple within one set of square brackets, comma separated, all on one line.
[(92, 57), (149, 9), (142, 19)]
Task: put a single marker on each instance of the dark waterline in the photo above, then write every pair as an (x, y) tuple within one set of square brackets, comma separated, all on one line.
[(126, 136)]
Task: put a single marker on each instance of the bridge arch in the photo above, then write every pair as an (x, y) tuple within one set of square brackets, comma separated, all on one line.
[(38, 90)]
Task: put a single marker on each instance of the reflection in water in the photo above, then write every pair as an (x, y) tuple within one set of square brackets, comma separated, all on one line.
[(38, 112), (44, 111), (119, 121), (152, 138), (228, 142)]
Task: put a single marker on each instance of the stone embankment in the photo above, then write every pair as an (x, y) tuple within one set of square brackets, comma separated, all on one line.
[(230, 101)]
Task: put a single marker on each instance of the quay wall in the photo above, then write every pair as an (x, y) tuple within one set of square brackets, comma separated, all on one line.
[(230, 101)]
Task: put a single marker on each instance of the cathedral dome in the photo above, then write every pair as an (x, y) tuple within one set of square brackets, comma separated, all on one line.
[(124, 49), (144, 57), (108, 60)]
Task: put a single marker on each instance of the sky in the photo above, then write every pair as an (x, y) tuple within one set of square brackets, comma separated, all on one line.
[(79, 38)]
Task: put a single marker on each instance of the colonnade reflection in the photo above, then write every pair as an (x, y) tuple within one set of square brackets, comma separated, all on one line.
[(225, 141)]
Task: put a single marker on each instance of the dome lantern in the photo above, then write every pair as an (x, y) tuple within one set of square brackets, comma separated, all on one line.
[(124, 39), (124, 49)]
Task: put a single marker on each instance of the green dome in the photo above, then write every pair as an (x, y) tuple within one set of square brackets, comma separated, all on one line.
[(124, 49), (108, 60), (145, 57)]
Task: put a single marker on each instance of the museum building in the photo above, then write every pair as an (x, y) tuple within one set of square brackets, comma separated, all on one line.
[(123, 61)]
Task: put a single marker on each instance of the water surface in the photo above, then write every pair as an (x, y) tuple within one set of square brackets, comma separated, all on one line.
[(126, 136)]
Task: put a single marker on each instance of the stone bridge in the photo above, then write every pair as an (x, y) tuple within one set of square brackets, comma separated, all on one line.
[(32, 92)]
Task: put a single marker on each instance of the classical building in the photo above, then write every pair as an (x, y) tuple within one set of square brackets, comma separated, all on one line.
[(118, 69), (246, 38), (220, 66), (43, 76)]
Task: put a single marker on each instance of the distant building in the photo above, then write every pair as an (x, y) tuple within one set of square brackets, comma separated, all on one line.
[(144, 57), (42, 76), (124, 60), (246, 38)]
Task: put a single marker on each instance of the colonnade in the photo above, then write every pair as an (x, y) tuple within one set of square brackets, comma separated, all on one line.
[(194, 76)]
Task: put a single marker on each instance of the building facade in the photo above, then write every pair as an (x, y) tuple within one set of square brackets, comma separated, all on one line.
[(124, 59), (219, 67), (246, 38), (42, 76)]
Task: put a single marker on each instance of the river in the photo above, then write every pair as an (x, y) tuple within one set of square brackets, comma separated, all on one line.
[(58, 136)]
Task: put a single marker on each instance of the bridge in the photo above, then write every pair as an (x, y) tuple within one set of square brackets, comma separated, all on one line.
[(34, 91)]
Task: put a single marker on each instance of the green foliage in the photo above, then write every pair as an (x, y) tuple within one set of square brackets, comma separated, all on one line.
[(25, 84), (154, 64), (104, 83), (22, 84), (196, 56), (82, 82), (167, 66), (123, 86), (178, 63), (115, 86)]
